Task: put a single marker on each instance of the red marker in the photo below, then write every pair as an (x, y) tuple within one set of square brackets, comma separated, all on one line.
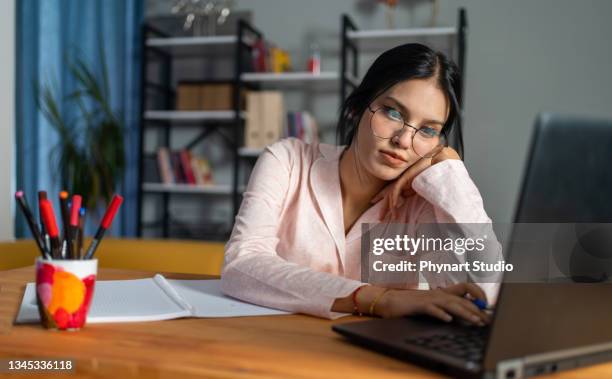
[(46, 211), (107, 220)]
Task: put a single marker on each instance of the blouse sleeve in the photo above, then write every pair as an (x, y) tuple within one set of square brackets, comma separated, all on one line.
[(252, 270), (452, 197)]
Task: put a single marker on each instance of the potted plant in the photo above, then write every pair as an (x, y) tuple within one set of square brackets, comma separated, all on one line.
[(90, 154)]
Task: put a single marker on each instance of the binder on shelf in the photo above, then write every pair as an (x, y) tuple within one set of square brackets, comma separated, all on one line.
[(274, 117), (252, 135), (188, 97), (265, 120), (206, 96)]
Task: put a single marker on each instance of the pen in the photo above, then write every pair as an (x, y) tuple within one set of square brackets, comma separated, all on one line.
[(42, 195), (31, 223), (46, 210), (80, 233), (481, 304), (107, 220), (66, 247), (75, 208)]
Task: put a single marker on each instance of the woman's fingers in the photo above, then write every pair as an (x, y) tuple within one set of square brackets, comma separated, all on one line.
[(404, 182), (473, 309), (462, 289), (458, 309), (437, 312), (407, 192), (459, 292)]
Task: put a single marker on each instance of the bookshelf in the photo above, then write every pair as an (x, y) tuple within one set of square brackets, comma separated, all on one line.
[(229, 123), (163, 51)]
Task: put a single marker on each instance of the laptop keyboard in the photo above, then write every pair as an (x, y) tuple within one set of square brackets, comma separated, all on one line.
[(468, 345)]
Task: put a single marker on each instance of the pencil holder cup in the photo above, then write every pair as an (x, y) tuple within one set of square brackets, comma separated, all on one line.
[(64, 289)]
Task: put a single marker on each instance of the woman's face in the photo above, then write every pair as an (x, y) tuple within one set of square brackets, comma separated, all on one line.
[(420, 103)]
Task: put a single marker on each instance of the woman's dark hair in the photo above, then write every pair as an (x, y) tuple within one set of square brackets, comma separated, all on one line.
[(409, 61)]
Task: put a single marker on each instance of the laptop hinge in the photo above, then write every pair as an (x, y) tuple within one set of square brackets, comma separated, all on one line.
[(510, 369)]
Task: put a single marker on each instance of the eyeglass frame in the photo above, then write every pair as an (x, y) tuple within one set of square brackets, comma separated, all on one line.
[(416, 130)]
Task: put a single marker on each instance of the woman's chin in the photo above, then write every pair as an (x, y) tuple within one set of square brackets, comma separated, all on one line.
[(387, 173)]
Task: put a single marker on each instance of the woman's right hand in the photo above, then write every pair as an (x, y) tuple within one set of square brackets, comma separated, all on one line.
[(442, 303)]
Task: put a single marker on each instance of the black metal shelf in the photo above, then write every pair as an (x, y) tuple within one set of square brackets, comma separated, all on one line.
[(164, 49)]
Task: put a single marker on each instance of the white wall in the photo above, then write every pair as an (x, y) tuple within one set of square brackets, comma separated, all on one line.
[(523, 57), (7, 116)]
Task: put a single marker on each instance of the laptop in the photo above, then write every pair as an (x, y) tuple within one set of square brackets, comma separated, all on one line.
[(537, 328)]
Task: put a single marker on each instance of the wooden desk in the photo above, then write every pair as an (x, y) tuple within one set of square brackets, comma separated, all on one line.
[(293, 346)]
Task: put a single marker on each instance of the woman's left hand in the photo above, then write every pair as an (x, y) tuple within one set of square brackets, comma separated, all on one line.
[(395, 193)]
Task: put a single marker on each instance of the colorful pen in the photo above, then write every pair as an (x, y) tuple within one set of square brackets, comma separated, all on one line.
[(75, 208), (66, 247), (21, 200), (42, 195), (80, 233), (107, 220)]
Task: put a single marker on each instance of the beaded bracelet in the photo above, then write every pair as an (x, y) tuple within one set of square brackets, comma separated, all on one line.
[(376, 299), (355, 303)]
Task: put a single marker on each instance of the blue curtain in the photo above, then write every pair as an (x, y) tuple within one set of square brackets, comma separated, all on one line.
[(47, 31)]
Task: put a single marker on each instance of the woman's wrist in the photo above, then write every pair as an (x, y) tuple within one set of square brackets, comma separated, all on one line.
[(361, 300), (370, 300)]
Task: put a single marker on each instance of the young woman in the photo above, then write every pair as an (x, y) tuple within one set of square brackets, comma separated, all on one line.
[(296, 239)]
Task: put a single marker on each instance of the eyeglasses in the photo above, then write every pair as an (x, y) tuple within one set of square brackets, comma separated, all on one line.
[(387, 123)]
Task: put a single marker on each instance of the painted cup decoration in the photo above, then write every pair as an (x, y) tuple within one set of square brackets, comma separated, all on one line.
[(64, 289)]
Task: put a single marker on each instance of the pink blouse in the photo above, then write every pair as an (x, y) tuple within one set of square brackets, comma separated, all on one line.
[(288, 249)]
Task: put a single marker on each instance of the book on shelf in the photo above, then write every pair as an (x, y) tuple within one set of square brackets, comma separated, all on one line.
[(301, 125), (165, 168), (183, 167), (186, 166), (202, 170), (175, 160)]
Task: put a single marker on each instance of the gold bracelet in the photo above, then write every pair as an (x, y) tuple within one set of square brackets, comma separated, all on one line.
[(376, 299)]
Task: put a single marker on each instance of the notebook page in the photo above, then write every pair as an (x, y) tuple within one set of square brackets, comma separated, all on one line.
[(206, 298), (116, 301)]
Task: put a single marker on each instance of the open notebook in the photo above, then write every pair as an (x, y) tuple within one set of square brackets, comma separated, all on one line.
[(153, 299)]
